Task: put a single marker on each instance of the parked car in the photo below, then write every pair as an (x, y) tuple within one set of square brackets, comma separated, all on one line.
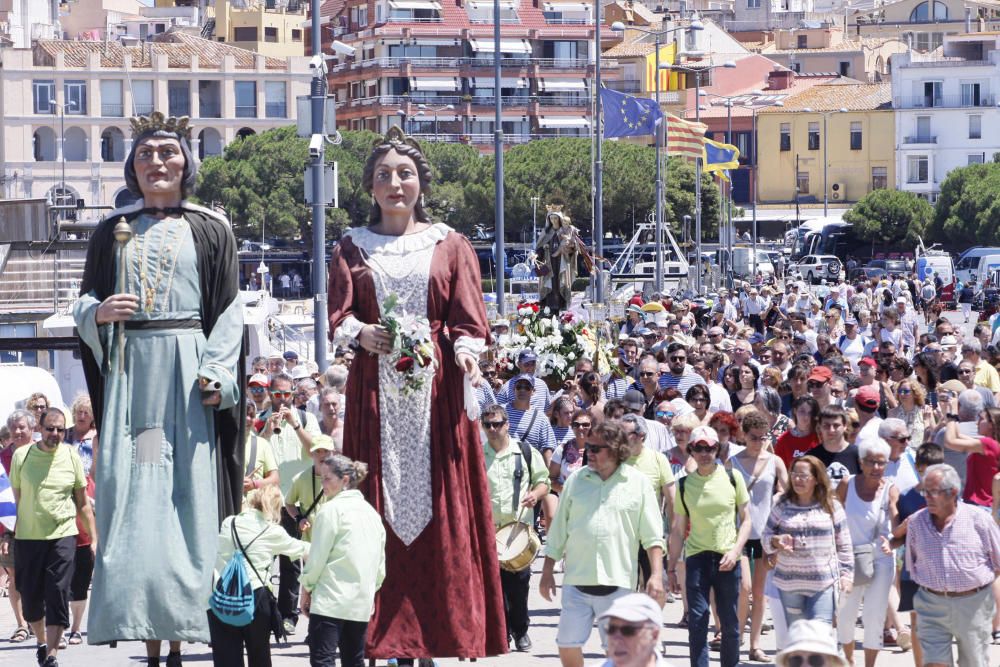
[(894, 267), (866, 273), (814, 268)]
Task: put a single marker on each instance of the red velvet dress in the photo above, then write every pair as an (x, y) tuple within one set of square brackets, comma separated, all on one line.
[(441, 596)]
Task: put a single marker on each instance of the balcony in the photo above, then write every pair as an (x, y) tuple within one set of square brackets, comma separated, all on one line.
[(210, 110), (113, 110), (920, 139), (246, 111), (943, 102), (625, 85), (144, 109), (562, 101), (275, 110)]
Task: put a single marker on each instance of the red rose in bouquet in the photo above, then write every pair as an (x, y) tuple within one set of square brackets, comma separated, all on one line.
[(404, 364)]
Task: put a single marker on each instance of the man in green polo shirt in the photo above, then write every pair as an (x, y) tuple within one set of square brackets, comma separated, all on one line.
[(50, 492), (506, 468), (709, 502), (606, 511)]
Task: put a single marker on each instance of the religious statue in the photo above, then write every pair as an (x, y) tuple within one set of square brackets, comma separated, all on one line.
[(556, 253)]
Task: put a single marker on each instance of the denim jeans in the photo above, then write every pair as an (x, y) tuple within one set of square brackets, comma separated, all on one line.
[(703, 575), (807, 605)]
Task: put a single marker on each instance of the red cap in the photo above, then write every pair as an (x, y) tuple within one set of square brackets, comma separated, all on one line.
[(820, 374), (867, 397), (868, 361)]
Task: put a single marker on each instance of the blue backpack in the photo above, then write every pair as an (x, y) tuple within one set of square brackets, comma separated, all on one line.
[(232, 599)]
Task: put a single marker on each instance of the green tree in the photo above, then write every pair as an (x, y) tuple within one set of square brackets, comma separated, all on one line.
[(968, 208), (890, 217)]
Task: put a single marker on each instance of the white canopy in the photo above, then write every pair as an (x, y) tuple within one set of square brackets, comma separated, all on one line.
[(505, 82), (563, 121), (449, 84), (415, 4), (480, 44), (562, 85)]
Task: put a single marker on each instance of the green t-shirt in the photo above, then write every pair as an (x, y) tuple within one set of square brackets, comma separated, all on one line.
[(264, 461), (656, 467), (712, 502), (305, 487), (46, 481)]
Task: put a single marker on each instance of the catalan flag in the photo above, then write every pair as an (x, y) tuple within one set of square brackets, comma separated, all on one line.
[(684, 137), (720, 157)]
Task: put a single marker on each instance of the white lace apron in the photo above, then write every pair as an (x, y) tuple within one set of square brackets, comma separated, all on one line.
[(401, 265)]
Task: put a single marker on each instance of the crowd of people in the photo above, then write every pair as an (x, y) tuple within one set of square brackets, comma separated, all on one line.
[(779, 459)]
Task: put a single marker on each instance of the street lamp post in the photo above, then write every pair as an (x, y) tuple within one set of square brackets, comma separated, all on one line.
[(534, 223), (826, 190), (62, 147), (697, 71), (618, 26), (447, 107)]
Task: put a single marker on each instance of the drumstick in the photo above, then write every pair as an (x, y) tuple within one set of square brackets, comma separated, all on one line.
[(513, 533)]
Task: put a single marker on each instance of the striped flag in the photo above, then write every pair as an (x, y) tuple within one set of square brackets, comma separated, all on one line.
[(8, 514), (684, 137)]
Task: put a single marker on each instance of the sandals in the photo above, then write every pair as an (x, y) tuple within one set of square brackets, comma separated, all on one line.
[(716, 643), (684, 621), (20, 634), (758, 655), (75, 638)]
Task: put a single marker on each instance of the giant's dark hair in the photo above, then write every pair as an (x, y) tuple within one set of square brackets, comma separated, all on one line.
[(411, 151)]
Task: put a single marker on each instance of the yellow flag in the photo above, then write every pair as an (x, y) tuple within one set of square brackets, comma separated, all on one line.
[(669, 80)]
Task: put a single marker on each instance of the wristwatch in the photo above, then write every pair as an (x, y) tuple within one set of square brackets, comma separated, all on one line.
[(952, 417)]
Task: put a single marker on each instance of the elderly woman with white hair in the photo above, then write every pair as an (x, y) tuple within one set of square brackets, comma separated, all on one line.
[(869, 500)]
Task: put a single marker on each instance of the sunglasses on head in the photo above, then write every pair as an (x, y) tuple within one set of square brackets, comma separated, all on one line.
[(489, 426), (812, 660)]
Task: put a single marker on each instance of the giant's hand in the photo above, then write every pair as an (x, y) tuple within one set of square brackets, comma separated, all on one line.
[(375, 339), (469, 366), (117, 307)]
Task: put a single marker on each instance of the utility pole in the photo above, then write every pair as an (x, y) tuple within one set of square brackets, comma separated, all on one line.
[(319, 197), (498, 232)]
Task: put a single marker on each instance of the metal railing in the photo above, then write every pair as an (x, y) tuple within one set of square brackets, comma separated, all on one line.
[(210, 110), (113, 110), (562, 101), (249, 111), (482, 60), (489, 20), (944, 102), (275, 110), (145, 109), (402, 19), (920, 139), (562, 21)]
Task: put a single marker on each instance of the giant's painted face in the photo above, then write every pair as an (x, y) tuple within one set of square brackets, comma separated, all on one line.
[(159, 166)]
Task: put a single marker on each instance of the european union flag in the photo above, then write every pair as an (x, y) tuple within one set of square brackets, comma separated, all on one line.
[(628, 116)]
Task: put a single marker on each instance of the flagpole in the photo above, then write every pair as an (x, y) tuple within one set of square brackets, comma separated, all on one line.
[(659, 181), (598, 163)]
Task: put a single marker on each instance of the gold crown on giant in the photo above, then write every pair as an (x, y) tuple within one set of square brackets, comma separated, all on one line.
[(156, 121)]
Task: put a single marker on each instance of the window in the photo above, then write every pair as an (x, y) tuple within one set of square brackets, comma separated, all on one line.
[(245, 34), (209, 99), (111, 99), (179, 97), (786, 136), (924, 129), (795, 67), (246, 99), (296, 35), (977, 158), (845, 68), (142, 97), (274, 99), (917, 169), (753, 4), (814, 136), (856, 135), (975, 127), (75, 97), (930, 10), (932, 94), (802, 183), (970, 95), (802, 41), (880, 178), (270, 34), (44, 93)]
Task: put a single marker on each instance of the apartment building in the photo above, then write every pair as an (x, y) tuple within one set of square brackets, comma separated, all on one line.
[(429, 65), (848, 127), (66, 106), (924, 24), (21, 22), (945, 103)]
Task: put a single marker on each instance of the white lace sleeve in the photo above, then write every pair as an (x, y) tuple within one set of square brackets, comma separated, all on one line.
[(470, 345), (348, 330)]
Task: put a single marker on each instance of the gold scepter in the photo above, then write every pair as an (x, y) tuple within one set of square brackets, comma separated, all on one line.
[(123, 234)]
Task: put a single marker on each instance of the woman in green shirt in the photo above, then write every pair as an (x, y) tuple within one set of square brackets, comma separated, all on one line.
[(345, 568)]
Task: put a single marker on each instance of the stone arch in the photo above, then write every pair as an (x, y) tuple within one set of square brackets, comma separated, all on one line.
[(112, 145), (209, 143), (75, 148), (44, 144)]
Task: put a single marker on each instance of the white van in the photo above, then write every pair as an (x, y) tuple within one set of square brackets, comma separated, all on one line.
[(743, 264), (989, 269), (941, 264), (967, 265)]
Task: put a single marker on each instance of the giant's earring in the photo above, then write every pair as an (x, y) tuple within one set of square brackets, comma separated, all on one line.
[(373, 201), (422, 205)]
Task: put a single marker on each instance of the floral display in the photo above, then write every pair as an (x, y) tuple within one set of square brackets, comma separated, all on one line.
[(559, 340), (412, 353)]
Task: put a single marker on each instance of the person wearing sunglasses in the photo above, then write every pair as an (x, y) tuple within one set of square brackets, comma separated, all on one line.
[(606, 512), (50, 494), (710, 501), (528, 423), (680, 376), (290, 432), (518, 480), (527, 363), (632, 625), (257, 391), (911, 398), (810, 644)]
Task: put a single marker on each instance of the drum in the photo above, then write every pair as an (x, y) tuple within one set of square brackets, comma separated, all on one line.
[(517, 546)]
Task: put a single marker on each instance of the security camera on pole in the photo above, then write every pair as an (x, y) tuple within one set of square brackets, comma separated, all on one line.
[(324, 121)]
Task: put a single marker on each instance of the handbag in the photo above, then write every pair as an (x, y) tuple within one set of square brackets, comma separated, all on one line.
[(864, 554)]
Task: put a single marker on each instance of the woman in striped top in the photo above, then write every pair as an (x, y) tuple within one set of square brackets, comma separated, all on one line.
[(808, 533)]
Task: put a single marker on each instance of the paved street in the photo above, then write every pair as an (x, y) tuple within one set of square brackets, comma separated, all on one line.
[(545, 617)]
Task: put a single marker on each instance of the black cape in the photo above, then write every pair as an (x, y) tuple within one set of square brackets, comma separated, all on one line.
[(218, 271)]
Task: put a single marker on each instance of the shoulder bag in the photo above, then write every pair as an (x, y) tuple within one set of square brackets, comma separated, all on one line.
[(864, 554)]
